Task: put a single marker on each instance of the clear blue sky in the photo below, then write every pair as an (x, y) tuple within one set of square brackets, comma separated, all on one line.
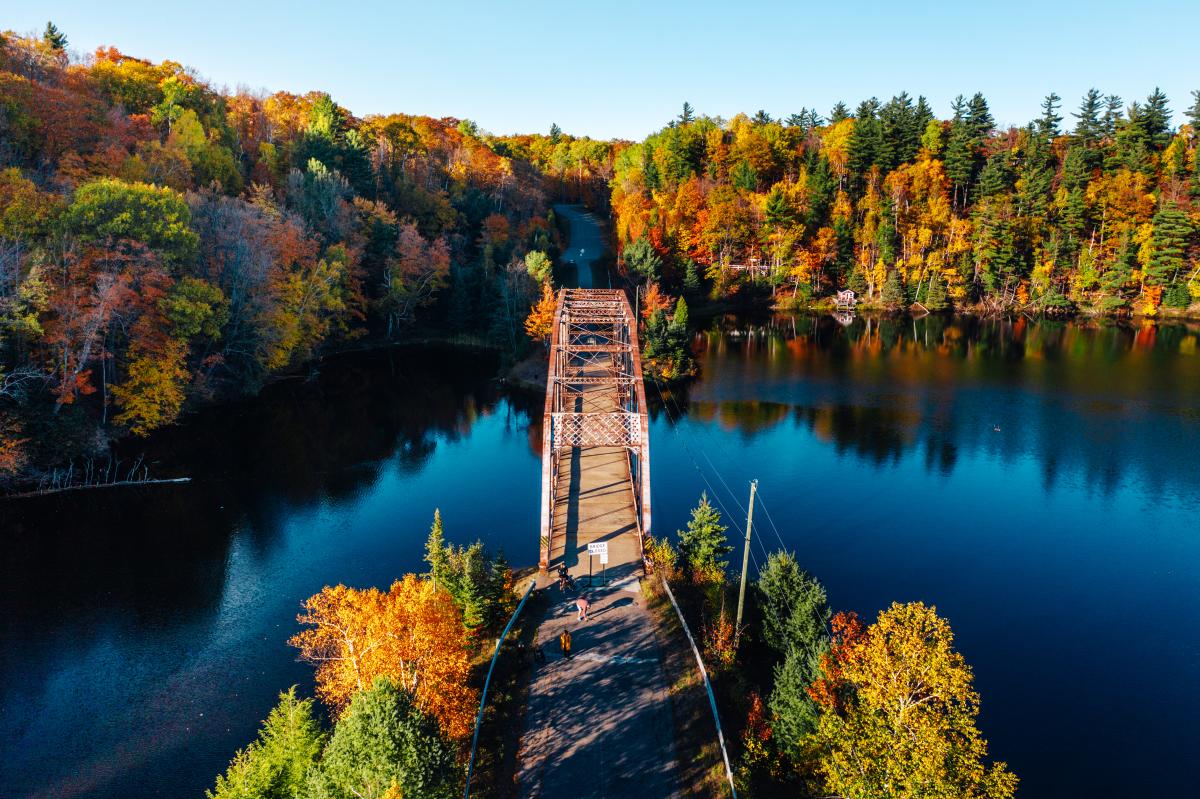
[(622, 69)]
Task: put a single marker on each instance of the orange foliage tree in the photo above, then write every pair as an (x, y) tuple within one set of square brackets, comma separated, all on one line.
[(412, 635), (540, 322)]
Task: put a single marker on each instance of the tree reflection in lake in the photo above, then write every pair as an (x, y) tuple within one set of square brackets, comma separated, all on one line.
[(1036, 481), (145, 628), (1104, 399)]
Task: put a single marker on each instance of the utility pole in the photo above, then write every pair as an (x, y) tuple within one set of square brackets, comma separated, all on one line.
[(745, 564)]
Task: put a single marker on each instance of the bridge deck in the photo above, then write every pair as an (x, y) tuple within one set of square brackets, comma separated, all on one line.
[(594, 499)]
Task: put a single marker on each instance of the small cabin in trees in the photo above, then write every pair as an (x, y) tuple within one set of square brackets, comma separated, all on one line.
[(846, 299)]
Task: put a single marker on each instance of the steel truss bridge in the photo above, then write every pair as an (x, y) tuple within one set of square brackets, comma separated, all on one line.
[(595, 435)]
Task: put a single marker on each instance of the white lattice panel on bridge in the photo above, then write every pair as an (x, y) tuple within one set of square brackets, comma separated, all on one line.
[(596, 430)]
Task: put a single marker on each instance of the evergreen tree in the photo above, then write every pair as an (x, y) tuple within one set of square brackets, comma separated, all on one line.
[(857, 282), (276, 764), (979, 117), (794, 714), (893, 290), (555, 133), (1112, 114), (995, 177), (1047, 126), (679, 320), (1193, 114), (435, 552), (384, 742), (935, 294), (795, 612), (687, 116), (703, 546), (922, 116), (1168, 244), (761, 118), (777, 210), (1089, 128), (840, 112), (642, 260), (960, 153), (1156, 119), (744, 176), (900, 132), (691, 278), (54, 37), (1037, 176), (866, 140), (1114, 281)]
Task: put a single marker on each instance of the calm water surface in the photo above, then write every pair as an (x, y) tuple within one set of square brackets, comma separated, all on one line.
[(1037, 482)]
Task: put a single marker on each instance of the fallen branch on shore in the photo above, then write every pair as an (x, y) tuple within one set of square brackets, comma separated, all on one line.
[(41, 492), (92, 475)]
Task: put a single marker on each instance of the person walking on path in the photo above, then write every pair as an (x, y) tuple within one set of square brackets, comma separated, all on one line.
[(582, 605), (564, 640)]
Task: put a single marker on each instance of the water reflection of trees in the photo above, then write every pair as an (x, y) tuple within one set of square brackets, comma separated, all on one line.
[(1101, 400), (155, 554)]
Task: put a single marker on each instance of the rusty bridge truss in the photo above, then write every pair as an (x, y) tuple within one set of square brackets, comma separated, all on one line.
[(594, 398)]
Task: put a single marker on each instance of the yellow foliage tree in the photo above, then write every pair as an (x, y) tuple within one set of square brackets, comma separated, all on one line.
[(152, 394), (540, 322), (898, 716), (412, 635)]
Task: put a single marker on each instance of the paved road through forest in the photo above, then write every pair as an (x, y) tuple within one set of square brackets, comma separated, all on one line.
[(586, 246)]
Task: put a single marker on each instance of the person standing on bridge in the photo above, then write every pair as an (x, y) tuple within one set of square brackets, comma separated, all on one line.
[(564, 640), (583, 606)]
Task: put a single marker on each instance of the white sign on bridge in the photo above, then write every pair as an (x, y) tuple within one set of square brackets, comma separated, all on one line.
[(599, 548)]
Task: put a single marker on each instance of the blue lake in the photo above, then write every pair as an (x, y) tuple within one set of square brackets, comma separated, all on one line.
[(1037, 482)]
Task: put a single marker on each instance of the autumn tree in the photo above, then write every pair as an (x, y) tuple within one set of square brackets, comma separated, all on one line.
[(413, 276), (898, 713), (538, 264), (413, 635), (539, 324), (109, 210)]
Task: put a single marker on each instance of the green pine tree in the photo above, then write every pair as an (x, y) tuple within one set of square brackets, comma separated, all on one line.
[(276, 764), (795, 612), (935, 294), (679, 320), (794, 714), (691, 278), (1089, 127), (995, 177), (436, 552), (703, 546), (857, 282), (381, 742), (642, 260), (1047, 126), (1168, 244), (54, 37), (893, 290)]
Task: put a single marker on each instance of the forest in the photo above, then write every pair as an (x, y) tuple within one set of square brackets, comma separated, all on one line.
[(165, 244), (1099, 215)]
